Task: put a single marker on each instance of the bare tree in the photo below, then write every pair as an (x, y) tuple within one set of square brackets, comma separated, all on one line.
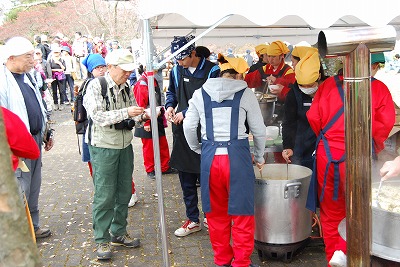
[(16, 246)]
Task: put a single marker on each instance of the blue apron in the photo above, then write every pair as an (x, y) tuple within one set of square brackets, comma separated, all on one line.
[(312, 199), (241, 167)]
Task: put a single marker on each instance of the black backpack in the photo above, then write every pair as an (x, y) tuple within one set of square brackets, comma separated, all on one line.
[(80, 114)]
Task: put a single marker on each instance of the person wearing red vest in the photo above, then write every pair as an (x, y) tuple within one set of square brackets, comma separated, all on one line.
[(326, 118), (141, 92)]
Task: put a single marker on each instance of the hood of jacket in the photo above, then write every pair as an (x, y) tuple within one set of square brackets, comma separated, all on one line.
[(220, 89)]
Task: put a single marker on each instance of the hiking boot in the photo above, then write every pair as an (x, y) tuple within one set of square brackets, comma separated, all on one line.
[(42, 232), (188, 228), (104, 251), (133, 200), (205, 223), (151, 175), (170, 171), (125, 240), (338, 259)]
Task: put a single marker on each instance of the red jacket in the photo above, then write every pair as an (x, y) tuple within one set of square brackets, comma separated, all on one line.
[(141, 93), (19, 139), (327, 101)]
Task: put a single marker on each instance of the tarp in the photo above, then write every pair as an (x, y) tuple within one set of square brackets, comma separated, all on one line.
[(257, 21)]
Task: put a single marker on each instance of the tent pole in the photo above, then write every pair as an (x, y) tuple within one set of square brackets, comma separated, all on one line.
[(147, 47)]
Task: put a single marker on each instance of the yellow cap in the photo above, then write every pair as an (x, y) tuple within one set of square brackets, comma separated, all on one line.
[(307, 70), (301, 51), (238, 64), (261, 49), (277, 48)]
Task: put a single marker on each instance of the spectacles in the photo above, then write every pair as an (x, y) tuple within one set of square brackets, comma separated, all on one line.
[(101, 67)]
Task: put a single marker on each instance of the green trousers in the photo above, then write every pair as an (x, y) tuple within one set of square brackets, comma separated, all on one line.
[(112, 176)]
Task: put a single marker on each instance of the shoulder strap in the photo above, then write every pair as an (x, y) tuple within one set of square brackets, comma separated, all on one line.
[(262, 72), (31, 79), (82, 89), (104, 85), (282, 71)]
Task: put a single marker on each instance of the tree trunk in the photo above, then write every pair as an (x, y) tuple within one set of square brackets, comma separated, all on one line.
[(16, 245)]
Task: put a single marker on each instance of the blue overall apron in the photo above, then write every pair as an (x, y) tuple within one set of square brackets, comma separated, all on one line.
[(241, 168), (312, 199)]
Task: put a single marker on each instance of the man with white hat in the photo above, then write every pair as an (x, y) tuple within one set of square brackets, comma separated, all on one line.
[(19, 94), (222, 106), (112, 113)]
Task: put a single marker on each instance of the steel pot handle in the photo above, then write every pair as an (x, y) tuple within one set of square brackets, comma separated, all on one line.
[(296, 188)]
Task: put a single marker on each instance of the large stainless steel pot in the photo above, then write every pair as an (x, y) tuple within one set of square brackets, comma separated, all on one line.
[(385, 228), (280, 199), (267, 106)]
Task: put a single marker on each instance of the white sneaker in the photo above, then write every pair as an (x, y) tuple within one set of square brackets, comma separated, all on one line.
[(188, 228), (133, 200), (338, 259), (205, 223)]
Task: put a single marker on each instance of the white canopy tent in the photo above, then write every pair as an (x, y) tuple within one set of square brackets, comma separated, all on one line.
[(255, 22), (242, 22)]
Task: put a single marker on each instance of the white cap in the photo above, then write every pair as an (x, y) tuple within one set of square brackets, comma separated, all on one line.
[(17, 46), (122, 58)]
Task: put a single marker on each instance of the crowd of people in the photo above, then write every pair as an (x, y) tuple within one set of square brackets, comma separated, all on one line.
[(211, 110)]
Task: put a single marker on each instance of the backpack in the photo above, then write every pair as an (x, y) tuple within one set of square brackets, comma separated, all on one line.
[(80, 114)]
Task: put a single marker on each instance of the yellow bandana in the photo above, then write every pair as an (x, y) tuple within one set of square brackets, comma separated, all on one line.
[(307, 70)]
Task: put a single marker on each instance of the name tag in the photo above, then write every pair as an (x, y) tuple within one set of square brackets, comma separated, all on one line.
[(307, 104), (186, 80)]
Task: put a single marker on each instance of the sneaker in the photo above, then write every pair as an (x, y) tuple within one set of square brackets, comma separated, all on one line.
[(42, 232), (170, 171), (205, 223), (103, 251), (125, 240), (133, 200), (151, 175), (338, 259), (188, 228), (61, 107)]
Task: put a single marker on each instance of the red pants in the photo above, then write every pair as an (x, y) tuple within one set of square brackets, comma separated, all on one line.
[(148, 154), (331, 212), (222, 225)]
